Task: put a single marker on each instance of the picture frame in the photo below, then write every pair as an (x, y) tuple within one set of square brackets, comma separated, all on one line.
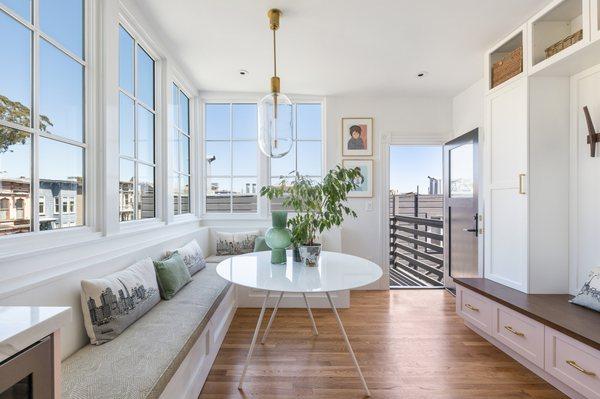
[(366, 167), (357, 137)]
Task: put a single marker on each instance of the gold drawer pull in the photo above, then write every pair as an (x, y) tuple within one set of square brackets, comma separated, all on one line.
[(577, 367), (512, 330), (471, 307), (522, 183)]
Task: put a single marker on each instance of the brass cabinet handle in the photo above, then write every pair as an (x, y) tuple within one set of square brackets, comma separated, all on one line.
[(512, 330), (577, 367), (522, 183), (471, 307)]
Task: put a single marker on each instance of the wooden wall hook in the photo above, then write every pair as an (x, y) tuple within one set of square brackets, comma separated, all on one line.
[(592, 137)]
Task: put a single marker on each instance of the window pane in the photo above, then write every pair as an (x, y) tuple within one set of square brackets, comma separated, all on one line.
[(126, 125), (175, 103), (218, 197), (63, 21), (184, 118), (244, 195), (309, 121), (21, 7), (145, 78), (185, 153), (244, 158), (285, 165), (145, 135), (174, 147), (185, 194), (126, 194), (15, 76), (217, 122), (245, 121), (176, 193), (145, 192), (309, 158), (125, 60), (61, 93), (218, 158), (15, 181), (61, 174)]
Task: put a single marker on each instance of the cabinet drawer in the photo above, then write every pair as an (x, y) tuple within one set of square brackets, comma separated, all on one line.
[(572, 362), (520, 333), (474, 308)]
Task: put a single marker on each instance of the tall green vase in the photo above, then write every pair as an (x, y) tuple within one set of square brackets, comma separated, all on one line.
[(278, 237)]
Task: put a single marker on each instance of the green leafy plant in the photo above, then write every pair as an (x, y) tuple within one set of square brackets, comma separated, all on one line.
[(318, 206)]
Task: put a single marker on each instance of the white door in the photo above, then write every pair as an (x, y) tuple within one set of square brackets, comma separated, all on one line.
[(505, 218)]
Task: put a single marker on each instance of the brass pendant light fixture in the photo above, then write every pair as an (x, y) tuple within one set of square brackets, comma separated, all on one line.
[(275, 110)]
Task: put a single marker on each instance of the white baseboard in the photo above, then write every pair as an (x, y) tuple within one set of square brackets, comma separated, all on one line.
[(251, 298), (570, 392)]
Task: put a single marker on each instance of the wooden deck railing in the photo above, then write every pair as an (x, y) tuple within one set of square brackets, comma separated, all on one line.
[(416, 251)]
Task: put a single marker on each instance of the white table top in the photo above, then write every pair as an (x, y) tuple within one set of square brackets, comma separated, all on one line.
[(335, 272), (21, 326)]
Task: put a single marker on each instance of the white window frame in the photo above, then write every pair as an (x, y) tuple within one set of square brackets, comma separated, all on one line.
[(89, 52), (190, 135), (42, 205), (56, 205)]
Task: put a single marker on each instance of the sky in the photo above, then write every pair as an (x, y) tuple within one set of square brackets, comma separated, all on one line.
[(410, 166)]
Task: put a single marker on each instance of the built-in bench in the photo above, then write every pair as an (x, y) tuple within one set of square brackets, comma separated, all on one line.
[(167, 353), (555, 339)]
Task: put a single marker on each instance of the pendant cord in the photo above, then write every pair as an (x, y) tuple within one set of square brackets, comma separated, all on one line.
[(274, 54)]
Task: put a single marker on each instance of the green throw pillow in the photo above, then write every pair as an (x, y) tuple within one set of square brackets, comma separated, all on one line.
[(260, 245), (172, 274)]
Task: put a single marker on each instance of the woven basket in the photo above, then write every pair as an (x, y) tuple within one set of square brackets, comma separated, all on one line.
[(564, 43), (508, 67)]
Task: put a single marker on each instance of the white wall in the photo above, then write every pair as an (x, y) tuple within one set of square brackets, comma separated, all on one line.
[(467, 109), (410, 120), (585, 180)]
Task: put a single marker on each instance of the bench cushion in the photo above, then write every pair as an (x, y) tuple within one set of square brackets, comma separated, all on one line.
[(141, 361)]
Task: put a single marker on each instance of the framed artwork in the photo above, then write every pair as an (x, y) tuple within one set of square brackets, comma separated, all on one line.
[(357, 137), (365, 190)]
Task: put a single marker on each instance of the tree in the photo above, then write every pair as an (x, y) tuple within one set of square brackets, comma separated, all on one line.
[(15, 112)]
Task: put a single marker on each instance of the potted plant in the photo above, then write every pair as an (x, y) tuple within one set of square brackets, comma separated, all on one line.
[(318, 207)]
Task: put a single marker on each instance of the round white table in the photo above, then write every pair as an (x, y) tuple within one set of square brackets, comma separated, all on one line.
[(335, 272)]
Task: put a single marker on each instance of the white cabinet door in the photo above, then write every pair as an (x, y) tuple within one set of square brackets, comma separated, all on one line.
[(505, 186)]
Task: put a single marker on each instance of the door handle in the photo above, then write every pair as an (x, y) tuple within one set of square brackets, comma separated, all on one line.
[(522, 183), (470, 230)]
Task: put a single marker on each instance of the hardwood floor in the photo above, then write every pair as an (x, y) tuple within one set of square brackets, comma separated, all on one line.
[(410, 344)]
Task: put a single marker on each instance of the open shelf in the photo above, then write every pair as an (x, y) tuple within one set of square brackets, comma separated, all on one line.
[(507, 52), (558, 22)]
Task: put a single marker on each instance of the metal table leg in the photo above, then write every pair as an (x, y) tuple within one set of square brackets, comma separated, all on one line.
[(314, 325), (256, 330), (341, 326), (264, 338)]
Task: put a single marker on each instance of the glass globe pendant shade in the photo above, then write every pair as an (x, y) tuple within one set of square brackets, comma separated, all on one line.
[(275, 125)]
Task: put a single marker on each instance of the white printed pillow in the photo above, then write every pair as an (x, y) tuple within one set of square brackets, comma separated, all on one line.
[(235, 243), (192, 256), (112, 303), (589, 295)]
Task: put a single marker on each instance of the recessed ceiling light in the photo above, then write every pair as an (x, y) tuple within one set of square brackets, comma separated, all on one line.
[(243, 72), (422, 74)]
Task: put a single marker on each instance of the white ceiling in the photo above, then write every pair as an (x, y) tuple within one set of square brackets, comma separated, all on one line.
[(337, 47)]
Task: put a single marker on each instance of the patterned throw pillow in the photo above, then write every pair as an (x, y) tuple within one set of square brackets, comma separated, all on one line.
[(589, 295), (235, 243), (192, 256), (112, 303)]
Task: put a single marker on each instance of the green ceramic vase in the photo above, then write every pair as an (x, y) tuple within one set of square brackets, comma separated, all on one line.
[(278, 237)]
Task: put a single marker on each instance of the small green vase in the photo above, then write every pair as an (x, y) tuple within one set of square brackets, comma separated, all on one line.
[(278, 237)]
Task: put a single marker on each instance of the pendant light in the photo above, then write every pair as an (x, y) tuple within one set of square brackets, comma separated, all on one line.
[(275, 114)]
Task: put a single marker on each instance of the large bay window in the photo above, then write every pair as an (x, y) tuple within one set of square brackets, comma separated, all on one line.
[(180, 151), (42, 118), (231, 156), (136, 130)]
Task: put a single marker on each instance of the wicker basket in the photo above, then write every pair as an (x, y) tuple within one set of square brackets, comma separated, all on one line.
[(564, 43), (508, 67)]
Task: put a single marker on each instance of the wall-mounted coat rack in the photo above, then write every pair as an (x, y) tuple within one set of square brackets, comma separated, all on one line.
[(592, 137)]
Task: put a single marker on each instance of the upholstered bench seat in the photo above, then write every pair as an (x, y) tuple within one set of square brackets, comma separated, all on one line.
[(142, 360)]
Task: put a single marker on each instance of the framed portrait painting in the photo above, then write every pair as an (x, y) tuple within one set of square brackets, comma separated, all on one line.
[(365, 189), (357, 137)]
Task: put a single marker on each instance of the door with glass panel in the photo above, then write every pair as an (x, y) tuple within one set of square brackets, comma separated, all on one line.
[(460, 207)]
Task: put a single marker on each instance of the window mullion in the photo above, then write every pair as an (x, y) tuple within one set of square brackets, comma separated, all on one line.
[(35, 137), (231, 157)]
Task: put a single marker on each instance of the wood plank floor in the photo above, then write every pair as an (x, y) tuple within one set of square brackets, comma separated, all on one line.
[(410, 344)]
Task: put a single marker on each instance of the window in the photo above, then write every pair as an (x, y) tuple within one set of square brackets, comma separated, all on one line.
[(47, 69), (136, 130), (65, 205), (305, 156), (56, 205), (4, 209), (72, 205), (42, 206), (180, 152), (231, 154)]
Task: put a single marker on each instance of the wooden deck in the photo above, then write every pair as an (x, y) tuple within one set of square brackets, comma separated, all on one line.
[(409, 343)]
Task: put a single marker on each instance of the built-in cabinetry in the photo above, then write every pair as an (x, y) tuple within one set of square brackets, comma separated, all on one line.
[(595, 20)]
